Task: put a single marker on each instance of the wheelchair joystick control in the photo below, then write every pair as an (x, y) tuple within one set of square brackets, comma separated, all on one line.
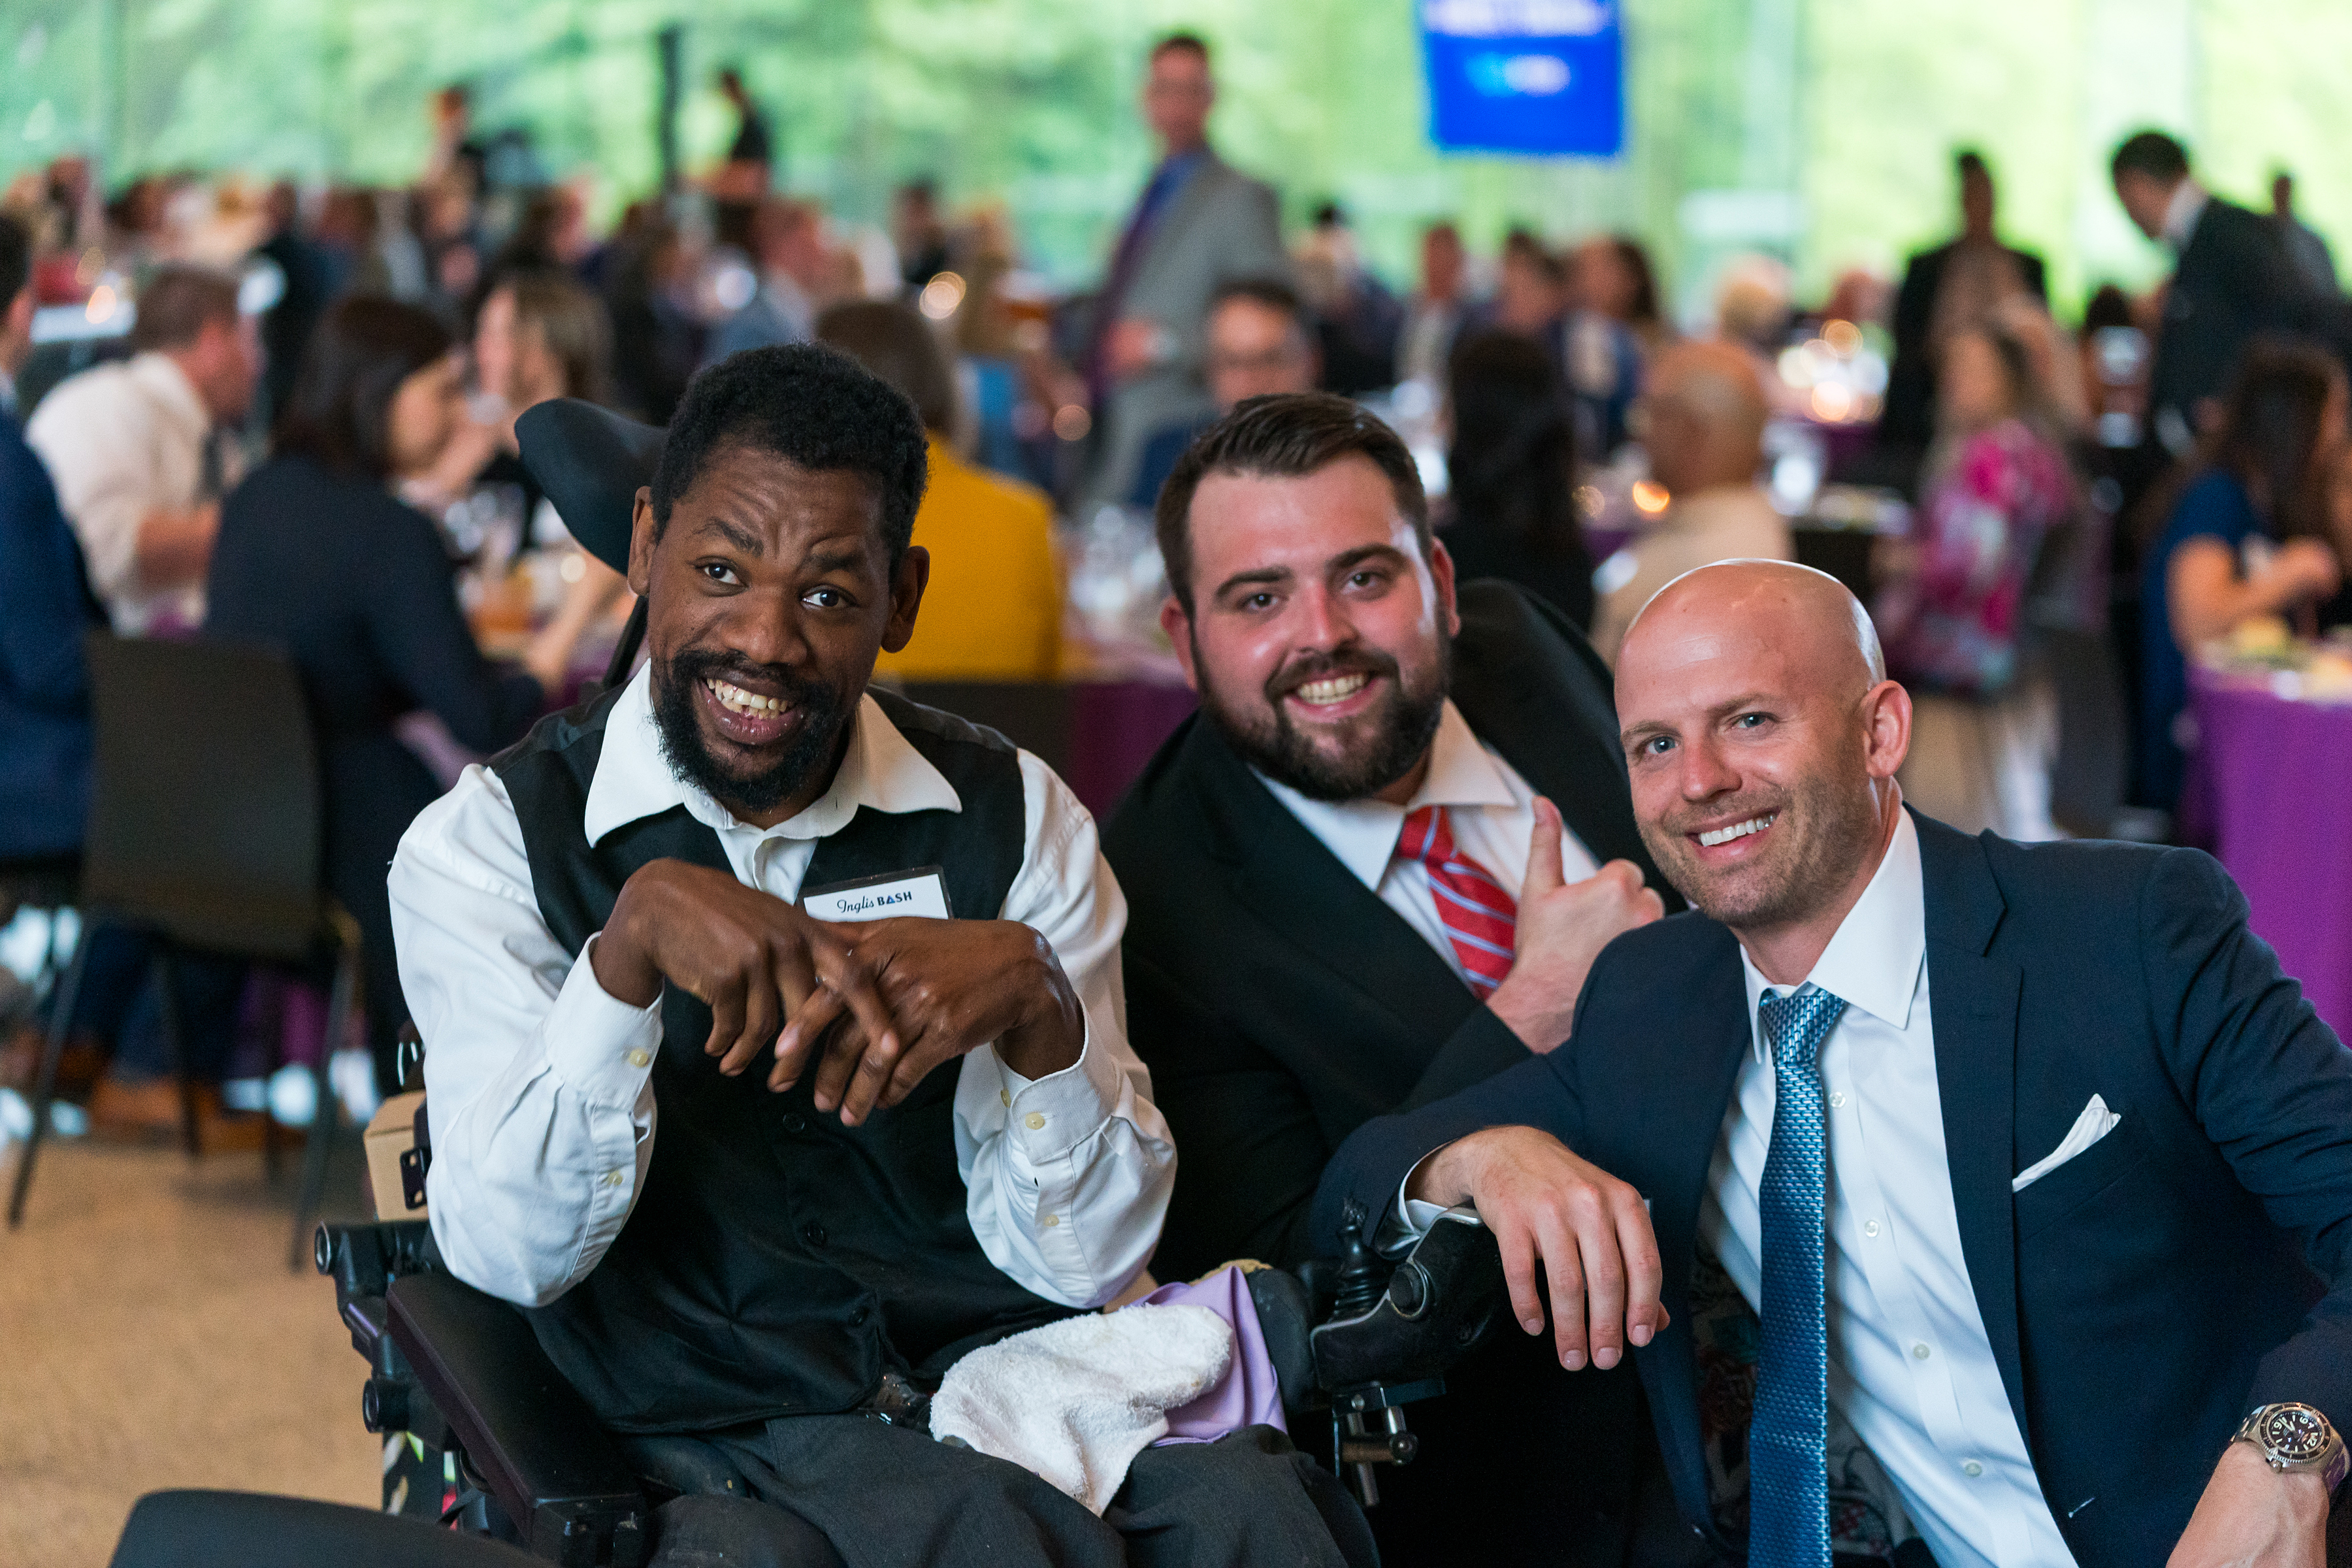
[(1360, 1274)]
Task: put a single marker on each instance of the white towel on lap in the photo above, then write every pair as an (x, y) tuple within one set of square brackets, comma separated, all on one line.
[(1075, 1401)]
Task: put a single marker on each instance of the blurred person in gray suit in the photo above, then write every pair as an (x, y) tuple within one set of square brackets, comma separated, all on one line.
[(1197, 224)]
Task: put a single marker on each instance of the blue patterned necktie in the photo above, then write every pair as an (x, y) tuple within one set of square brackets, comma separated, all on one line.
[(1787, 1465)]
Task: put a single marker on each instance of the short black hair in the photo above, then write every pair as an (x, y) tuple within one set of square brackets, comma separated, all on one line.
[(1191, 43), (16, 260), (808, 405), (2153, 154), (1271, 292), (1286, 434)]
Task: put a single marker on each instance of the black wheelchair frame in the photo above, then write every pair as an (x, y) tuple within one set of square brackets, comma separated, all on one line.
[(483, 1433)]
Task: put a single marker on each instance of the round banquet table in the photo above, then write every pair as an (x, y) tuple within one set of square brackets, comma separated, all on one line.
[(2270, 793)]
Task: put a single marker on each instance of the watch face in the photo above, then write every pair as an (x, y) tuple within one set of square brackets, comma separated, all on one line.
[(2295, 1434)]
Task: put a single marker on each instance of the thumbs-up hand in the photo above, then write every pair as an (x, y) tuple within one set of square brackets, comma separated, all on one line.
[(1562, 927)]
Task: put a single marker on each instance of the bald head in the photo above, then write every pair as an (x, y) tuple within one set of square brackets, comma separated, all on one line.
[(1706, 409), (1793, 606), (1761, 736)]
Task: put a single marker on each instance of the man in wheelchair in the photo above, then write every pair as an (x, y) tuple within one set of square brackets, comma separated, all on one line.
[(758, 1163)]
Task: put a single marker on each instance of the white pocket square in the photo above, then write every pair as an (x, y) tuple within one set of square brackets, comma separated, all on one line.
[(2096, 1122)]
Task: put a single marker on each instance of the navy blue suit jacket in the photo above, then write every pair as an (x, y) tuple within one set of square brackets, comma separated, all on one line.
[(2140, 1298), (45, 609)]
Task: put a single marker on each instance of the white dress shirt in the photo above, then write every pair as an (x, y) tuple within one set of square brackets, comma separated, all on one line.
[(1909, 1365), (121, 441), (542, 1105), (2181, 212), (1491, 810)]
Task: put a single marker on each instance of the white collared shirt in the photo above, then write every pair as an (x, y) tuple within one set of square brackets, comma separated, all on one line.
[(1910, 1367), (2182, 211), (121, 441), (542, 1105), (1491, 808)]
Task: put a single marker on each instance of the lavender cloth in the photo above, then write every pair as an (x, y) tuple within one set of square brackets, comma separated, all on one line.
[(2265, 795), (1248, 1394)]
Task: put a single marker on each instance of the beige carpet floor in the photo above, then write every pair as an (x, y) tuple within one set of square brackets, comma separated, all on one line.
[(152, 1336)]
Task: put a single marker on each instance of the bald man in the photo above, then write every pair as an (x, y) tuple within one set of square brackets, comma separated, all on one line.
[(1704, 409), (2002, 1196)]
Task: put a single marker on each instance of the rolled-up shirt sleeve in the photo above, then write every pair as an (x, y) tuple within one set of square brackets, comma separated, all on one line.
[(1066, 1176), (540, 1092)]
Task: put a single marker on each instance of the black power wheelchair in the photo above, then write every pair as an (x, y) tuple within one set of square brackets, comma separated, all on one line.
[(483, 1434)]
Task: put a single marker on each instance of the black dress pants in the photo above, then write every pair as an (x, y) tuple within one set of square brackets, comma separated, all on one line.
[(846, 1489)]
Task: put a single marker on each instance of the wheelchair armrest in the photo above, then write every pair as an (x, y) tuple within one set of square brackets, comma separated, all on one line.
[(527, 1433), (1439, 1303)]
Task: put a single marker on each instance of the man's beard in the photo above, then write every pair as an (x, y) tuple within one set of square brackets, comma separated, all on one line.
[(1403, 726), (809, 749), (1828, 826)]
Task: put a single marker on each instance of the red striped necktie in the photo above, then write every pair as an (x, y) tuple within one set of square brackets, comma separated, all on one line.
[(1480, 917)]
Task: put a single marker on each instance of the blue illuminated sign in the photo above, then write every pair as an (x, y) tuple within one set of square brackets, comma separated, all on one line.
[(1525, 75)]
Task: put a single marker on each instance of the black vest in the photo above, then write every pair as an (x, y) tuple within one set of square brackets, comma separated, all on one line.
[(776, 1262)]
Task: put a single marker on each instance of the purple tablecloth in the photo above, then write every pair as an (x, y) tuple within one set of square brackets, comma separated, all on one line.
[(2269, 785)]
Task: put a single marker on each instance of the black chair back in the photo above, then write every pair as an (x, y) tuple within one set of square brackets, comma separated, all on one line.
[(205, 812)]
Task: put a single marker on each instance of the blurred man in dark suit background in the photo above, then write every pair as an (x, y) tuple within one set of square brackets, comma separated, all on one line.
[(1197, 224), (2234, 279), (1955, 285)]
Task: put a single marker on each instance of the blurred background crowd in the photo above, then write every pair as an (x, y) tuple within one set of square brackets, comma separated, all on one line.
[(281, 409)]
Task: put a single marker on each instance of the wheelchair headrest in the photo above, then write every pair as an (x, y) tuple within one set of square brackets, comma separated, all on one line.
[(591, 463)]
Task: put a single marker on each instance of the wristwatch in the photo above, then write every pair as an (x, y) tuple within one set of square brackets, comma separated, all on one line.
[(2295, 1438)]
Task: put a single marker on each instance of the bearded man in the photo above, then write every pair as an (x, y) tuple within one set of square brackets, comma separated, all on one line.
[(758, 1164), (1371, 870), (1964, 1201)]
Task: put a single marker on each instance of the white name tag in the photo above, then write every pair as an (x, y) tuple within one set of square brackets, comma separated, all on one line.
[(922, 891)]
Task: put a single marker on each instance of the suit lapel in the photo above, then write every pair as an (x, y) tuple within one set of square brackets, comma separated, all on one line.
[(1308, 900), (1973, 1007)]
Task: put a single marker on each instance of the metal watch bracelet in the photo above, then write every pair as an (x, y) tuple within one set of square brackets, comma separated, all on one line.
[(2296, 1438)]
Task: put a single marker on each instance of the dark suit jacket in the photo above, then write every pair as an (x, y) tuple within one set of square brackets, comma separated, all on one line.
[(2140, 1298), (2234, 280), (45, 609), (1910, 417), (1278, 1002)]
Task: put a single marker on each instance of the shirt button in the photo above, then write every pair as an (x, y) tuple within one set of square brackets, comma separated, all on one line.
[(640, 1056), (814, 1233), (1006, 1095), (1837, 1100), (1920, 1353), (1052, 1220), (1033, 1122), (795, 1124), (1972, 1470), (612, 1178), (1870, 1227)]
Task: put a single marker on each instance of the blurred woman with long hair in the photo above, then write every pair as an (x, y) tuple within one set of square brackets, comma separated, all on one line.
[(319, 557), (1511, 473), (2248, 538)]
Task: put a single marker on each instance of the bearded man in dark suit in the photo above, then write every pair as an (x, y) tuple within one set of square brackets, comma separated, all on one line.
[(1372, 871)]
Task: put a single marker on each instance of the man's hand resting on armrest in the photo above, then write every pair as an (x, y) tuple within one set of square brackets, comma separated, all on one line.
[(1562, 927), (1590, 1231)]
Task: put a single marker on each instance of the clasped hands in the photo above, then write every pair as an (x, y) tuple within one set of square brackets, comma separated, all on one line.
[(873, 1007)]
